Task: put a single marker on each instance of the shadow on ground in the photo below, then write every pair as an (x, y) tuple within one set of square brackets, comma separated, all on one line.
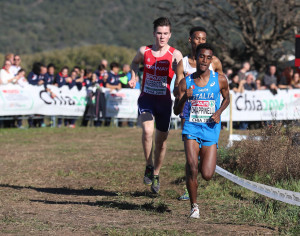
[(65, 191), (161, 208)]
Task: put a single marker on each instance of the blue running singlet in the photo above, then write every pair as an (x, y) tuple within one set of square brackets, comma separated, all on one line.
[(201, 106)]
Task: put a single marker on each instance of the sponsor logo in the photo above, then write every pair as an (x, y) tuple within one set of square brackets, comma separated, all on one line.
[(62, 99), (200, 103), (212, 84), (159, 68)]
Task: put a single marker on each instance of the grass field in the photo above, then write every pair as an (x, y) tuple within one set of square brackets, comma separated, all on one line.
[(88, 181)]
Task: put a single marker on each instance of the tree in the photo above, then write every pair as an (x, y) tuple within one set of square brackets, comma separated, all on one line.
[(258, 31)]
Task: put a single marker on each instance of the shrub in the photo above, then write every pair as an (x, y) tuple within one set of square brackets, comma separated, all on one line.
[(275, 157)]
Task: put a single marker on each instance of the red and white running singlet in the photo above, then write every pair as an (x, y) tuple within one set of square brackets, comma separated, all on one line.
[(158, 73)]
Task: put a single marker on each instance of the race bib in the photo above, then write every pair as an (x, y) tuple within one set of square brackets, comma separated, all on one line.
[(202, 110), (156, 85)]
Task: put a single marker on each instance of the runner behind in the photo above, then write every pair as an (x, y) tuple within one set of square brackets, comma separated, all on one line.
[(155, 104)]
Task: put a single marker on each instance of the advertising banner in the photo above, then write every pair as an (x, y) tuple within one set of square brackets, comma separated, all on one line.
[(260, 105)]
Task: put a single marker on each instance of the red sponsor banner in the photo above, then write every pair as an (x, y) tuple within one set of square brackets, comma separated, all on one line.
[(297, 62)]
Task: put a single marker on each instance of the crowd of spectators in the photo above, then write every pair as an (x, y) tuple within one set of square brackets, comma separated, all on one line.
[(115, 77), (247, 80)]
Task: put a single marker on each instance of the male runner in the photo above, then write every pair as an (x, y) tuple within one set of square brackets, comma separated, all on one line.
[(155, 101), (187, 66), (202, 126)]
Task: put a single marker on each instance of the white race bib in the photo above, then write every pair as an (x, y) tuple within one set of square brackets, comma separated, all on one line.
[(156, 85), (202, 110)]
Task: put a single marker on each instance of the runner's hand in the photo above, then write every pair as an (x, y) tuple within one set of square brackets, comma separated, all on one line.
[(189, 92), (216, 117)]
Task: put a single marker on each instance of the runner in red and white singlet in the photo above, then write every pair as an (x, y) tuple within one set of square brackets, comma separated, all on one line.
[(158, 73), (155, 104)]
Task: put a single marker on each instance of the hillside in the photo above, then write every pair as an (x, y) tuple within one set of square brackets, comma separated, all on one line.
[(41, 25)]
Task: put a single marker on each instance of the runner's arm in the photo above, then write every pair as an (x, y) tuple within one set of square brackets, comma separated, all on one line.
[(135, 66), (217, 65), (177, 58), (224, 88), (179, 77), (183, 95)]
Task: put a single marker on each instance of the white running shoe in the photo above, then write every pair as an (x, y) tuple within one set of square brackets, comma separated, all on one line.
[(194, 212)]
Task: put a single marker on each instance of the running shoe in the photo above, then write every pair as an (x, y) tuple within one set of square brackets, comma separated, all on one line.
[(155, 184), (148, 175), (194, 211), (185, 196)]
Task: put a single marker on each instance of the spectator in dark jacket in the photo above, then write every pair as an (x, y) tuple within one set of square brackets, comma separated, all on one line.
[(270, 79)]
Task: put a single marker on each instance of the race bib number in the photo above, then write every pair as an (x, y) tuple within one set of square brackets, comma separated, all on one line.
[(156, 85), (202, 110)]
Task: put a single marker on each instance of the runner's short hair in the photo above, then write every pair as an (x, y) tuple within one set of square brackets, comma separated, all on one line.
[(203, 46), (161, 21), (195, 29)]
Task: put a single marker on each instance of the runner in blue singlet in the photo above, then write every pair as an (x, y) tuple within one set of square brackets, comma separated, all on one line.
[(202, 124)]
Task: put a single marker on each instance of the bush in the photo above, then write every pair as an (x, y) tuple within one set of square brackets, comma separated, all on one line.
[(274, 158)]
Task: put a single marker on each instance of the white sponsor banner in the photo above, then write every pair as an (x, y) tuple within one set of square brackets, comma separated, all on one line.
[(122, 103), (248, 106), (29, 100), (262, 105)]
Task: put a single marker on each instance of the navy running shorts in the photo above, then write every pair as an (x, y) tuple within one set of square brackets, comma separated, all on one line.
[(160, 107)]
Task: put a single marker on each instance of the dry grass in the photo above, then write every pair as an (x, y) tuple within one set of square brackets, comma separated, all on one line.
[(276, 156)]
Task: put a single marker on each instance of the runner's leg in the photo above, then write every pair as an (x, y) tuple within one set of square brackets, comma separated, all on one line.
[(191, 151), (160, 149), (147, 122), (208, 161)]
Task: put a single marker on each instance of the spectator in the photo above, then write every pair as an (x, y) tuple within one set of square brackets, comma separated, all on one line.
[(113, 80), (242, 72), (250, 84), (43, 74), (295, 81), (229, 72), (79, 77), (71, 81), (77, 70), (270, 79), (102, 75), (125, 75), (10, 57), (6, 76), (22, 81), (286, 78), (105, 63), (87, 78), (258, 85), (49, 79), (33, 76), (16, 65), (60, 80), (36, 78), (236, 85)]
